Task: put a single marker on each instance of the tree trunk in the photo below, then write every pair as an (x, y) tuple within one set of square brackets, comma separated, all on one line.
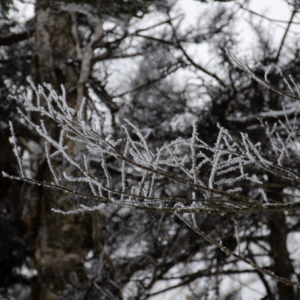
[(282, 265), (60, 242)]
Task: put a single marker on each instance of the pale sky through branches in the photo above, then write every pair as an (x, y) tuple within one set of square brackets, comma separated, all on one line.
[(274, 9)]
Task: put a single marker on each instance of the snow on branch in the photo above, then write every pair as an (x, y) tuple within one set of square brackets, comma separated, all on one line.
[(217, 173), (82, 209)]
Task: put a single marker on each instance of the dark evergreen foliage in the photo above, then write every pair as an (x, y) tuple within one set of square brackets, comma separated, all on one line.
[(99, 256)]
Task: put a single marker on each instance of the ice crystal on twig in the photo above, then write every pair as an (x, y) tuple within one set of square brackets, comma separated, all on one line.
[(215, 172)]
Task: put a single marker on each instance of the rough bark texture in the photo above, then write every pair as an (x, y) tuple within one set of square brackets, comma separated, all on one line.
[(60, 242), (55, 47)]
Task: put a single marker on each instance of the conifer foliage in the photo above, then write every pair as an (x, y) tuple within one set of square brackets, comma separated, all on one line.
[(155, 185)]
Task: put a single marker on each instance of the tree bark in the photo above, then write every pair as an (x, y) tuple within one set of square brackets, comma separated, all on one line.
[(282, 265), (60, 242)]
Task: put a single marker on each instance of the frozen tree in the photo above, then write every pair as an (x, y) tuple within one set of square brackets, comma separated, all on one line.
[(136, 191), (230, 162)]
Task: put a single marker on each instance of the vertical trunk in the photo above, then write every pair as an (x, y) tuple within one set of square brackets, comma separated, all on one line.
[(60, 242), (279, 252), (55, 47)]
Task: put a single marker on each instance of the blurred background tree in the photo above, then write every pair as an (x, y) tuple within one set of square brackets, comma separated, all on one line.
[(123, 253)]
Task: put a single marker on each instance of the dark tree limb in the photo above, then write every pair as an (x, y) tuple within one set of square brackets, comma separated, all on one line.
[(12, 38)]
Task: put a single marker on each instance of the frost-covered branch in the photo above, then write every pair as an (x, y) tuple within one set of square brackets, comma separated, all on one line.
[(217, 171)]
